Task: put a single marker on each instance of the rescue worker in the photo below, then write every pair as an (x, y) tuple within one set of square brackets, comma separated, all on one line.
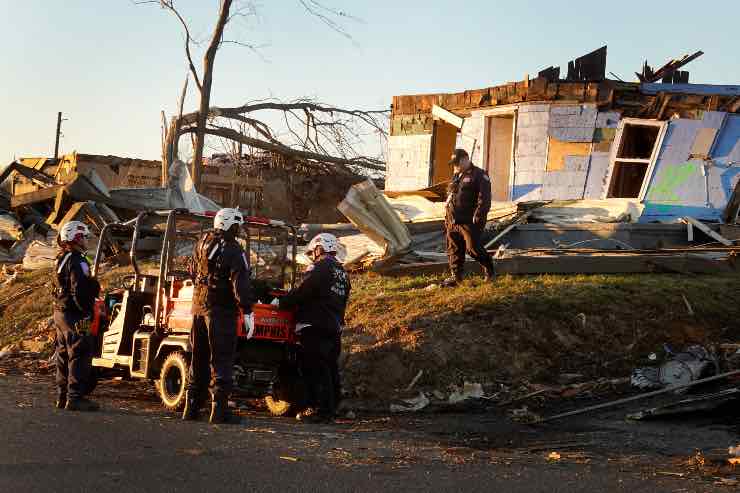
[(74, 295), (222, 285), (320, 302), (468, 203)]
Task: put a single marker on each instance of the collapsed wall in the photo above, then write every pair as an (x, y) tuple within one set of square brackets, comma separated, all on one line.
[(672, 147)]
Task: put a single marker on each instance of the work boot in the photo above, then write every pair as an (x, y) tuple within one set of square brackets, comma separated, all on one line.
[(61, 401), (81, 404), (315, 417), (489, 273), (452, 281), (220, 412), (191, 411)]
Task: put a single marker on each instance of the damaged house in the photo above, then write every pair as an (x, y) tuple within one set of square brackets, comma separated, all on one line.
[(664, 147)]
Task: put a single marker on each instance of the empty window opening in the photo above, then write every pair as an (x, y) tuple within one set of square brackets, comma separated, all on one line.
[(627, 180), (638, 141)]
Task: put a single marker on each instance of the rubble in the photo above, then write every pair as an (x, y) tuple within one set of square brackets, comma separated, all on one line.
[(468, 391), (411, 405), (694, 363)]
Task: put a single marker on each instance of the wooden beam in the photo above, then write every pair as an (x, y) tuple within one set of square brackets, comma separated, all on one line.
[(708, 231), (449, 117), (35, 197)]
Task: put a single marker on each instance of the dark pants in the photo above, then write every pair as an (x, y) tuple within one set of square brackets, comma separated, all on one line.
[(321, 350), (462, 239), (73, 357), (213, 339)]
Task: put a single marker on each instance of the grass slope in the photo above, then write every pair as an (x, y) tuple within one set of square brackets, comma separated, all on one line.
[(518, 328), (528, 327)]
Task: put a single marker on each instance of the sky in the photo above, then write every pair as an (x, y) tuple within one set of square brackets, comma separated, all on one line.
[(111, 66)]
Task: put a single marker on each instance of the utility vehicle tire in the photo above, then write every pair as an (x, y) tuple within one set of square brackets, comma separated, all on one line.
[(173, 379), (287, 398)]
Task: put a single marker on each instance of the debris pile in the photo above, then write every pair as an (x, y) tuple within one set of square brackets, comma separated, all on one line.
[(402, 233), (39, 203)]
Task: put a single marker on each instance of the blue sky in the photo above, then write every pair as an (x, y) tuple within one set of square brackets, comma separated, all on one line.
[(111, 66)]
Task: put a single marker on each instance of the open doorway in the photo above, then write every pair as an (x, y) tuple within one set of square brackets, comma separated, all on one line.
[(633, 157), (499, 135), (444, 137)]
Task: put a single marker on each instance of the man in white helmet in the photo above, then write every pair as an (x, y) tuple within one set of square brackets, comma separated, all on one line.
[(222, 285), (320, 302), (74, 293)]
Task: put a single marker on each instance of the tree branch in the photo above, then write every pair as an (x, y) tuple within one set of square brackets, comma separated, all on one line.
[(287, 151)]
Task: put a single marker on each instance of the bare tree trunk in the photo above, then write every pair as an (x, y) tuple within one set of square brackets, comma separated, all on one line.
[(205, 90)]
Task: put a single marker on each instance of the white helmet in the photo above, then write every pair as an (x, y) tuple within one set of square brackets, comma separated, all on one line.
[(328, 242), (74, 231), (226, 218)]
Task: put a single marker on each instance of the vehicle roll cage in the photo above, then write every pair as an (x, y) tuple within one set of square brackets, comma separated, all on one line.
[(136, 226)]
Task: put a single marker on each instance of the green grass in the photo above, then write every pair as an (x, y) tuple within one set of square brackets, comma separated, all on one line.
[(533, 327)]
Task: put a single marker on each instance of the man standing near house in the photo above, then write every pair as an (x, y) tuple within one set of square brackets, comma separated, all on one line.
[(468, 203)]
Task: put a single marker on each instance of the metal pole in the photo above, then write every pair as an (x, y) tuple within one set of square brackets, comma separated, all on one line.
[(59, 131)]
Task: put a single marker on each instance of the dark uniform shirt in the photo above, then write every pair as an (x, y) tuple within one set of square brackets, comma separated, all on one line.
[(469, 197), (321, 299), (221, 275), (74, 288)]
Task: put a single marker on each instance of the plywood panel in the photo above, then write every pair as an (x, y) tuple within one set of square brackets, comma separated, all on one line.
[(557, 151), (703, 142), (596, 180), (445, 138)]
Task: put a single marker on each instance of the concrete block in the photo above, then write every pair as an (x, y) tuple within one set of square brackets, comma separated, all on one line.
[(540, 118), (561, 110), (576, 163), (526, 134), (573, 134), (529, 163), (608, 119), (534, 108)]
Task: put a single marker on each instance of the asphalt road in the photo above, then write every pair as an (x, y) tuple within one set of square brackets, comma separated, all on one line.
[(133, 445)]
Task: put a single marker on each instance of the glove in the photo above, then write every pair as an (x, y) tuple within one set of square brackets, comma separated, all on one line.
[(249, 324), (83, 326)]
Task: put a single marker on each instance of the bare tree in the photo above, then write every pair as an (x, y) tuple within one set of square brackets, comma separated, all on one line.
[(312, 131)]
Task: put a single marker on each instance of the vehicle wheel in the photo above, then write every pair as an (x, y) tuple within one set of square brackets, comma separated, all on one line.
[(173, 379), (287, 398)]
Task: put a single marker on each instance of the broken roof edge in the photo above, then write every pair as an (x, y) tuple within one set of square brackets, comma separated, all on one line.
[(541, 90), (37, 161)]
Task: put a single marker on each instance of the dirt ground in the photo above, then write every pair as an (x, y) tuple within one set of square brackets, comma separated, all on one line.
[(416, 452)]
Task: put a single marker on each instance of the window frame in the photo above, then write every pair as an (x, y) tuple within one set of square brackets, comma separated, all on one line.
[(650, 163)]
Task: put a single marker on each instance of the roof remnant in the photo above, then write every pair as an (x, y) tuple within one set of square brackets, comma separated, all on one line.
[(665, 72)]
